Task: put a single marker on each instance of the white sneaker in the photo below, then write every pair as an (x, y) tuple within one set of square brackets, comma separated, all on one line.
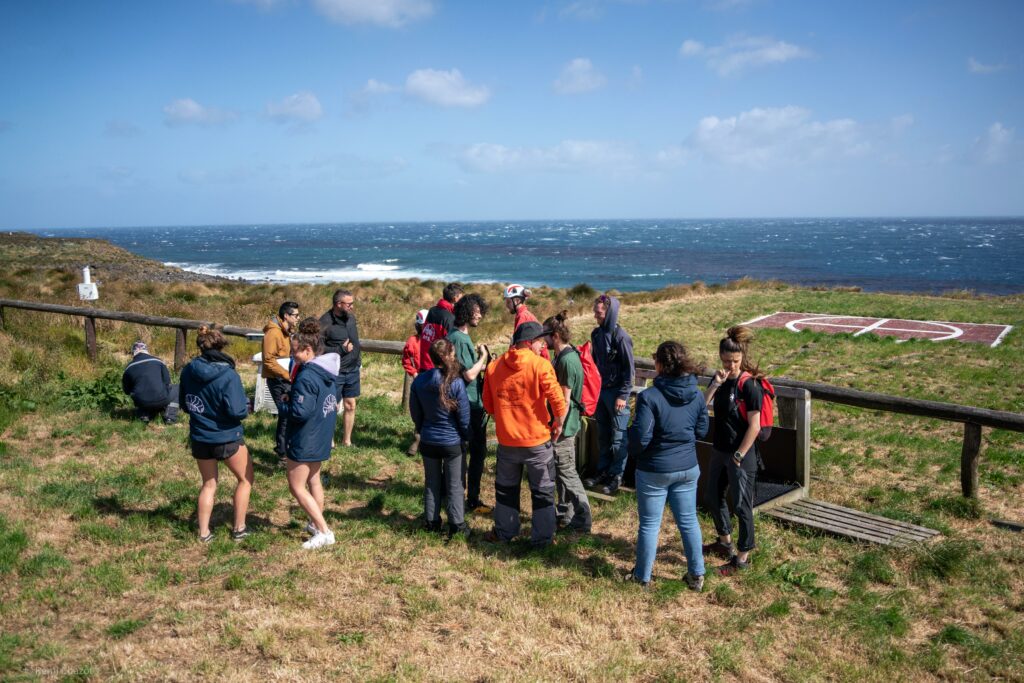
[(310, 528), (319, 540)]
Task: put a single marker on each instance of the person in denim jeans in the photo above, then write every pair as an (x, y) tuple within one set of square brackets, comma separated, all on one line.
[(670, 417)]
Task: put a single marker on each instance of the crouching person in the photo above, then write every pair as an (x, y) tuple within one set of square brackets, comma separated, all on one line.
[(147, 380), (519, 390), (312, 415), (212, 394)]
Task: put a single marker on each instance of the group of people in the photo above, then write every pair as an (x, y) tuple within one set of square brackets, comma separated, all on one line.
[(533, 392)]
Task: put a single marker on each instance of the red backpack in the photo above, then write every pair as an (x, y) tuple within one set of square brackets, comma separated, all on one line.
[(767, 404), (591, 380)]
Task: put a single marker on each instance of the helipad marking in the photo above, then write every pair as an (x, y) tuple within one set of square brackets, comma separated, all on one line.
[(991, 334)]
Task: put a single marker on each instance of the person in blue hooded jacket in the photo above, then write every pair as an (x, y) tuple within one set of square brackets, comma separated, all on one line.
[(612, 349), (210, 391), (312, 414), (670, 417), (439, 407)]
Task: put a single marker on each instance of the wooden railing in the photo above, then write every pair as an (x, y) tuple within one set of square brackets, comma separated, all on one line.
[(974, 419)]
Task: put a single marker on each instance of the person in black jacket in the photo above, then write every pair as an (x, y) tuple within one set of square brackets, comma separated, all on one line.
[(341, 336), (211, 393), (147, 380)]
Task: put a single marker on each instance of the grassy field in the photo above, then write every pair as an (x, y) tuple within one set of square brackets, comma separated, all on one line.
[(101, 577)]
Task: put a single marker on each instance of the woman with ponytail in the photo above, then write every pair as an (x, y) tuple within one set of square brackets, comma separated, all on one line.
[(312, 414), (733, 467), (439, 407), (670, 417), (211, 393)]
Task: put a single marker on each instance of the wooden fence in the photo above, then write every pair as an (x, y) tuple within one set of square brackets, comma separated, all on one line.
[(974, 419)]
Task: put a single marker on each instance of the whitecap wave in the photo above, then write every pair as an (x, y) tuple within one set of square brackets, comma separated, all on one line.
[(363, 271)]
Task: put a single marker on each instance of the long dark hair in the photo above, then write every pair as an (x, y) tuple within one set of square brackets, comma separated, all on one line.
[(442, 352), (737, 340), (675, 360)]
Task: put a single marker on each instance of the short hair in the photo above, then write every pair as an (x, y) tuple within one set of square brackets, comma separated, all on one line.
[(451, 292), (286, 307), (338, 296), (675, 360), (464, 308)]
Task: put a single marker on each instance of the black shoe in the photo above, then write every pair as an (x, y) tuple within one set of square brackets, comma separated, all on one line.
[(632, 578), (726, 550), (612, 487), (459, 530), (144, 419), (239, 535), (733, 566), (596, 480), (433, 527), (694, 583)]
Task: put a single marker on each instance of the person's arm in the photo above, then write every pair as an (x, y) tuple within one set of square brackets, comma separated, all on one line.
[(415, 408), (409, 360), (642, 430), (700, 430), (753, 427), (235, 400), (462, 421), (552, 391), (165, 375), (471, 373), (488, 401), (124, 383), (272, 345), (626, 359), (716, 381)]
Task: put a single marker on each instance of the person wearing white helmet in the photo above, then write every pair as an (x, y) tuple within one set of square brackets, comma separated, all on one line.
[(411, 364), (515, 303)]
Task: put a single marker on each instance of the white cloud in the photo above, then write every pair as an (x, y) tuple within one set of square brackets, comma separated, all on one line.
[(740, 53), (770, 137), (302, 107), (579, 76), (996, 146), (188, 111), (976, 67), (568, 155), (387, 13), (445, 88), (375, 87)]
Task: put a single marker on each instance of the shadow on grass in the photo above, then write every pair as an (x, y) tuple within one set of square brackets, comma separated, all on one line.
[(171, 515)]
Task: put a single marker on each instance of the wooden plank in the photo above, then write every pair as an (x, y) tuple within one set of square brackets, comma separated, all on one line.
[(969, 456), (1006, 524), (782, 513), (877, 518), (853, 522), (852, 517)]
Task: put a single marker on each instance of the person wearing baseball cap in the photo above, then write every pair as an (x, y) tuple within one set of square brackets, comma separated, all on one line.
[(411, 364), (522, 393)]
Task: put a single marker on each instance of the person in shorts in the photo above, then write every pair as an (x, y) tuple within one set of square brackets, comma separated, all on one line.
[(341, 336), (211, 393)]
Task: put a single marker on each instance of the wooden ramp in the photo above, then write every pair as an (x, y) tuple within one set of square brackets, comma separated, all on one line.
[(841, 521)]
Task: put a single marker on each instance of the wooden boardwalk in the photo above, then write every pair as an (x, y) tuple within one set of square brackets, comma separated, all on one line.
[(841, 521)]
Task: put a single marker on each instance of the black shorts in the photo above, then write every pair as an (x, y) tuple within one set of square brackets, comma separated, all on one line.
[(215, 451)]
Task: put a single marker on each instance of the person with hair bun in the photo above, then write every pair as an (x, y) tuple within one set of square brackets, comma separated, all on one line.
[(312, 415), (670, 417), (733, 467), (211, 393), (439, 407), (573, 508)]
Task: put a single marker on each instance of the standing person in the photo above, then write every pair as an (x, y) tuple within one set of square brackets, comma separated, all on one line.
[(440, 321), (411, 364), (521, 392), (211, 393), (277, 344), (670, 417), (341, 336), (734, 456), (148, 381), (515, 303), (573, 505), (440, 409), (613, 355), (312, 415), (468, 312)]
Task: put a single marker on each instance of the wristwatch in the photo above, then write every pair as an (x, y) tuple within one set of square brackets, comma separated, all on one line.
[(738, 457)]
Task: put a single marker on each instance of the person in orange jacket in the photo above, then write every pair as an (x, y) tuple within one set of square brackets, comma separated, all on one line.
[(522, 392), (411, 364)]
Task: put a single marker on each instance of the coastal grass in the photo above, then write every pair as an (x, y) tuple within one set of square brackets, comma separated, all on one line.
[(101, 576)]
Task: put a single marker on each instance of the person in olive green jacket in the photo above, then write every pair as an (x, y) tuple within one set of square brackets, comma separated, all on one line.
[(277, 344)]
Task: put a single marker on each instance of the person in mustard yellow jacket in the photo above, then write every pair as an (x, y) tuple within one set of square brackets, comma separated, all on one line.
[(277, 344), (522, 392)]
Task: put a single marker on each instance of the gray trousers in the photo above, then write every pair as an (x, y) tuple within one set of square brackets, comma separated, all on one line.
[(539, 462), (442, 472), (573, 504)]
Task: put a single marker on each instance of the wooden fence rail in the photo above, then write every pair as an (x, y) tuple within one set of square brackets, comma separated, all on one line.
[(973, 418)]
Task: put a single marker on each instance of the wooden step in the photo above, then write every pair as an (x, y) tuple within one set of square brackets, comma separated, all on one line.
[(841, 521)]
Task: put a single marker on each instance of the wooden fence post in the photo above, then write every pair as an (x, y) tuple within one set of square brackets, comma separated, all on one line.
[(180, 337), (406, 387), (90, 338), (2, 323), (969, 460)]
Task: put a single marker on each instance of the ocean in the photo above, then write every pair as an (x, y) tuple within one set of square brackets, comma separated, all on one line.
[(877, 254)]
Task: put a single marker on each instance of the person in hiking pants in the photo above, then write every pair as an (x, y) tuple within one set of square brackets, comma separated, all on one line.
[(733, 466), (277, 344)]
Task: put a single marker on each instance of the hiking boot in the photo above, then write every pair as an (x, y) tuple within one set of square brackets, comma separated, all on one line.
[(144, 419), (493, 537), (631, 577), (724, 550), (432, 527), (694, 583), (733, 566), (596, 480), (459, 530), (319, 540), (478, 507), (239, 535), (612, 487)]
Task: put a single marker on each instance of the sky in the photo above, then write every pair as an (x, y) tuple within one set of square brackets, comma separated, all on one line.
[(198, 112)]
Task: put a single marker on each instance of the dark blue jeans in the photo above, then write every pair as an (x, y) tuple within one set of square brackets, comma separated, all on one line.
[(611, 433)]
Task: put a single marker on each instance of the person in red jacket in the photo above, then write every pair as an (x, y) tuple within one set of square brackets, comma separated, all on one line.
[(440, 321), (411, 363), (515, 303)]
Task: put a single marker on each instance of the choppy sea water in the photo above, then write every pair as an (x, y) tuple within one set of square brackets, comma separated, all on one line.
[(905, 254)]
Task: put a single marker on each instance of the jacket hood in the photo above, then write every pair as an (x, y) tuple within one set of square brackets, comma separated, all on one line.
[(678, 391), (446, 305), (271, 324), (612, 318), (207, 370), (329, 363), (517, 359)]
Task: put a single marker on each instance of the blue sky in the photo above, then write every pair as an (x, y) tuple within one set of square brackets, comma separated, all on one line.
[(279, 111)]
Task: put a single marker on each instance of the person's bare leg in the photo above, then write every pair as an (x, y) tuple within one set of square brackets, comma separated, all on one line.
[(207, 494), (316, 488), (298, 476), (349, 420), (240, 465)]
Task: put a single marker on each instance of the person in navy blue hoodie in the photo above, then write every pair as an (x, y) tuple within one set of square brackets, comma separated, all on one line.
[(147, 380), (612, 348), (439, 407), (312, 414), (670, 417), (211, 393)]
